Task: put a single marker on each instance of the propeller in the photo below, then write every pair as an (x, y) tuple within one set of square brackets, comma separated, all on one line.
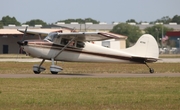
[(22, 42)]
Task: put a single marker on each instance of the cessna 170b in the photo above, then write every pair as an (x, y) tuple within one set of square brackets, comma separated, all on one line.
[(76, 47)]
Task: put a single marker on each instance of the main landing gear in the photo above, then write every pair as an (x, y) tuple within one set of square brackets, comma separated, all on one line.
[(37, 69), (54, 68), (151, 70)]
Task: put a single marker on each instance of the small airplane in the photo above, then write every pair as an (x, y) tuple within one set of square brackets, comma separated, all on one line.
[(77, 47)]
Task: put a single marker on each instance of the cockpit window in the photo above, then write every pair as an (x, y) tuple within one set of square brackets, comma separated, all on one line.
[(51, 36), (80, 44), (64, 41)]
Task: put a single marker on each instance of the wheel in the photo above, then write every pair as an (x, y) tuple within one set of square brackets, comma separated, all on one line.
[(54, 72), (37, 72), (151, 70)]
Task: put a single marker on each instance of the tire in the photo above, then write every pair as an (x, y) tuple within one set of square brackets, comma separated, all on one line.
[(37, 72), (52, 72), (151, 70)]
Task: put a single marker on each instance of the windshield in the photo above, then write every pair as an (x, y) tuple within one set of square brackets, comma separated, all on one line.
[(51, 36)]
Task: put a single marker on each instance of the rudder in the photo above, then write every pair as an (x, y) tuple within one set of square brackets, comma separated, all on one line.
[(146, 47)]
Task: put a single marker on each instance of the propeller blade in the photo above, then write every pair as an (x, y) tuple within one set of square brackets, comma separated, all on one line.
[(24, 33), (20, 43)]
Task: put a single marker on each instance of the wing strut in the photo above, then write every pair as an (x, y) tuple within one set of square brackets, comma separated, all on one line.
[(64, 47), (54, 68)]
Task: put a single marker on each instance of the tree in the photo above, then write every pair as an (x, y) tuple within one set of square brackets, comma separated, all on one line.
[(176, 19), (35, 22), (158, 31), (91, 20), (133, 32), (164, 20), (131, 21), (1, 25), (8, 20), (80, 21)]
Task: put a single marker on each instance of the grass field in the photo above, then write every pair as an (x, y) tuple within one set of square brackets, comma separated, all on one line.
[(4, 56), (90, 93), (83, 68)]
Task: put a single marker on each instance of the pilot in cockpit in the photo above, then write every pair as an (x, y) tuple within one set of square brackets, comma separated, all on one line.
[(72, 43)]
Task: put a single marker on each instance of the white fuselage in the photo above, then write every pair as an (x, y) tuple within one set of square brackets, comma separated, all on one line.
[(89, 53)]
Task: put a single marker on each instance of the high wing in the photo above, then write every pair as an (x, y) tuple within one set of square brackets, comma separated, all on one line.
[(81, 36), (91, 36), (34, 32)]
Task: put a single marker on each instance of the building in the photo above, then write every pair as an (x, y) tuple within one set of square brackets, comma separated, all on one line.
[(174, 38), (170, 44), (116, 44), (10, 37), (107, 27), (8, 40)]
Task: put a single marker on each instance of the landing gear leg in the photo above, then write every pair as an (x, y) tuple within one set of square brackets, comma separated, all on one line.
[(37, 69), (151, 70), (54, 68)]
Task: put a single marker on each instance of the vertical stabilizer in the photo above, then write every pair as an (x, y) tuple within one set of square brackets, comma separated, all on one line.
[(146, 47)]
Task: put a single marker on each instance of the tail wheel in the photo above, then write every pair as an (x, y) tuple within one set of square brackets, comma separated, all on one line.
[(151, 70)]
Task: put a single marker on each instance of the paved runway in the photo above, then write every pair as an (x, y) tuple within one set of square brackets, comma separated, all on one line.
[(88, 75)]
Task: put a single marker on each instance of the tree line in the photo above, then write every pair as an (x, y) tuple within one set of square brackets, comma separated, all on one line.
[(132, 31), (164, 20), (6, 20)]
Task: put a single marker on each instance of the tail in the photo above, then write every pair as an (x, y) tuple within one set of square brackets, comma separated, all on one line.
[(145, 48)]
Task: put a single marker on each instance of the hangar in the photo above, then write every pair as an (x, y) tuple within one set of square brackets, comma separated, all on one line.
[(9, 38)]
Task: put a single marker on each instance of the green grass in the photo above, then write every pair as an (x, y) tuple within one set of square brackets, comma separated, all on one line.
[(16, 56), (89, 93), (169, 56), (83, 68)]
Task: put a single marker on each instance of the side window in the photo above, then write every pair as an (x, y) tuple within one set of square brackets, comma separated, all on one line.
[(80, 44), (54, 38), (64, 41), (106, 44)]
